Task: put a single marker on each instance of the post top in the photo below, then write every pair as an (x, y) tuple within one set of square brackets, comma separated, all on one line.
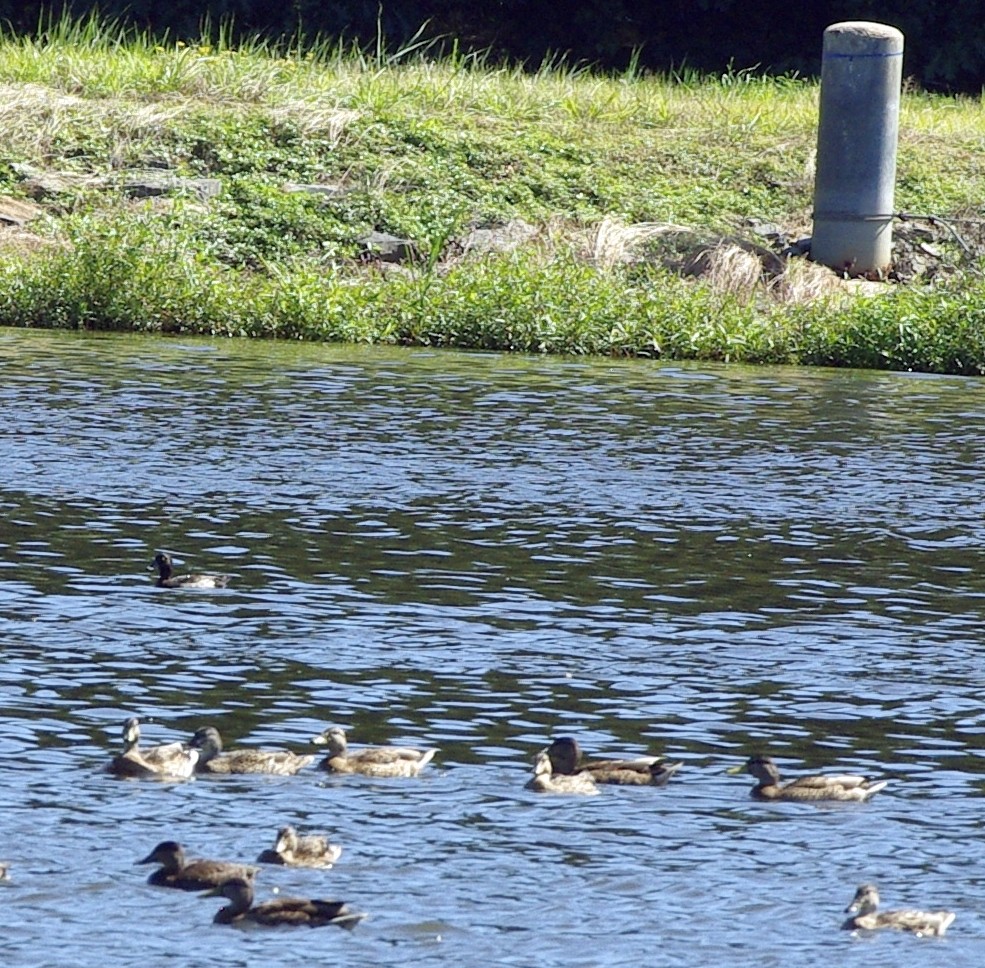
[(863, 31)]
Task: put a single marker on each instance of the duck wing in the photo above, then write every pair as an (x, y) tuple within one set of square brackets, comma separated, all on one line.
[(845, 786), (200, 875), (131, 764), (171, 759), (297, 911), (391, 754), (278, 762), (644, 771), (919, 922)]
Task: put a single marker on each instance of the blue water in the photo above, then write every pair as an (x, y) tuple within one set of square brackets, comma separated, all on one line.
[(478, 552)]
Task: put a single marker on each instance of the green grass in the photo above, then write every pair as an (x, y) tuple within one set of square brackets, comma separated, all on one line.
[(596, 167)]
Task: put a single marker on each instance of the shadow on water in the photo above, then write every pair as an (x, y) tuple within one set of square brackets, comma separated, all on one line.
[(478, 552)]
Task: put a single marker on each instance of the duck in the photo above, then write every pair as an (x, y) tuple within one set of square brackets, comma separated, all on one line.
[(172, 760), (566, 759), (167, 579), (371, 760), (546, 781), (4, 871), (193, 875), (834, 787), (866, 917), (293, 850), (291, 911), (211, 758)]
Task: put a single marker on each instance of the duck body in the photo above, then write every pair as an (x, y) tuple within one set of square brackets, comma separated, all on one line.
[(379, 761), (294, 850), (545, 780), (194, 875), (286, 911), (167, 579), (172, 760), (845, 787), (211, 758), (865, 916), (566, 759)]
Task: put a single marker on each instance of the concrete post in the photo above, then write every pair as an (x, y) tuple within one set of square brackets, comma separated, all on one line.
[(861, 74)]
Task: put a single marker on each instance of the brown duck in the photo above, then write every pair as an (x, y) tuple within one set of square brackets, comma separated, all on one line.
[(371, 760), (545, 780), (173, 760), (193, 875), (865, 916), (291, 911), (293, 850), (211, 758), (566, 759), (846, 786)]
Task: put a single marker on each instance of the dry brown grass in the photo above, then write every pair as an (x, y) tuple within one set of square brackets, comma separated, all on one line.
[(612, 242), (312, 118)]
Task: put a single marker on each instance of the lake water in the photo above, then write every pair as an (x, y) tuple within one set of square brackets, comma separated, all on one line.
[(479, 552)]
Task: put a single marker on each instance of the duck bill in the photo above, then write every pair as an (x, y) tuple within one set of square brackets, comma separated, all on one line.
[(735, 770)]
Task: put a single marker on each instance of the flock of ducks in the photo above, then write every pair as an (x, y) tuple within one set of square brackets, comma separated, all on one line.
[(204, 754), (559, 768), (234, 882)]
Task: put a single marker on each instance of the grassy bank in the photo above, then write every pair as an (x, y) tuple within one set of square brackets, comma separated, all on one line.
[(198, 188)]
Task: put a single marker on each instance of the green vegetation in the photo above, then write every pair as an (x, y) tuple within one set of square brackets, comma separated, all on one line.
[(620, 205)]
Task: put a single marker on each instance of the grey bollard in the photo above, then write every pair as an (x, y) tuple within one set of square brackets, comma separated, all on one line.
[(861, 73)]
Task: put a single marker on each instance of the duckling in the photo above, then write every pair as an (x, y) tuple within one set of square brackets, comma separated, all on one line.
[(565, 756), (292, 911), (546, 781), (193, 875), (371, 760), (174, 760), (167, 579), (211, 759), (292, 850), (834, 787), (866, 918)]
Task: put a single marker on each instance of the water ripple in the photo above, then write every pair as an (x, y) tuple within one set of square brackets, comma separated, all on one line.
[(477, 553)]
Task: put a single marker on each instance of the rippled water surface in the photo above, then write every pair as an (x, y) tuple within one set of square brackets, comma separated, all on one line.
[(478, 552)]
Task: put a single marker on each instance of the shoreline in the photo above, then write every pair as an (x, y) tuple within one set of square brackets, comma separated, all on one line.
[(326, 197)]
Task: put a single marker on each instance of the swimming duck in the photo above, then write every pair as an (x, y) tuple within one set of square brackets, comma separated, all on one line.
[(283, 911), (834, 787), (565, 756), (166, 578), (193, 875), (546, 781), (865, 916), (371, 760), (292, 850), (173, 760), (4, 871), (211, 759)]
